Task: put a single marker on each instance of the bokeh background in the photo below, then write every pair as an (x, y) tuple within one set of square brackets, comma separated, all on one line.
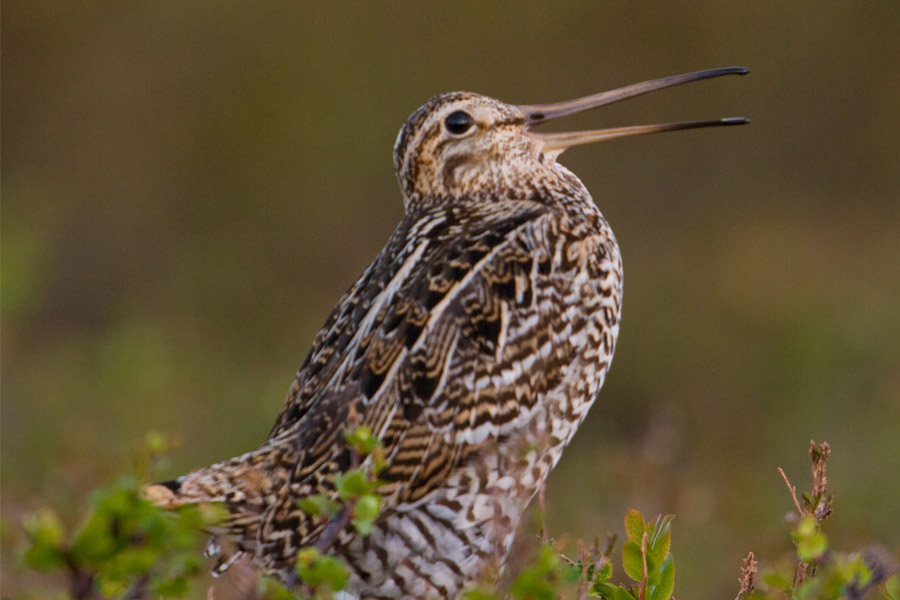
[(188, 187)]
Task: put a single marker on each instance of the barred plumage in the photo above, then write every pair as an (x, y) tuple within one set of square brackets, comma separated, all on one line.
[(473, 347)]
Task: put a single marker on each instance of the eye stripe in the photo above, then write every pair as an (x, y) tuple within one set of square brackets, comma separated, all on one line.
[(511, 121)]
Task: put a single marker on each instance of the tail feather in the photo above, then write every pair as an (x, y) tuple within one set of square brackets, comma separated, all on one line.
[(258, 491), (245, 485)]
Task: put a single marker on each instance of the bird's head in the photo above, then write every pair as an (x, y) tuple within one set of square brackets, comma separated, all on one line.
[(463, 144)]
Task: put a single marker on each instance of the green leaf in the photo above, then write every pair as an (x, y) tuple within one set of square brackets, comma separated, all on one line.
[(605, 571), (811, 543), (176, 587), (46, 533), (812, 547), (806, 527), (317, 570), (776, 580), (654, 571), (96, 542), (272, 589), (850, 569), (570, 573), (333, 572), (891, 587), (663, 590), (660, 541), (353, 484), (634, 526), (479, 594), (621, 593), (365, 511), (533, 582), (318, 504), (603, 590), (112, 587), (632, 561), (363, 440)]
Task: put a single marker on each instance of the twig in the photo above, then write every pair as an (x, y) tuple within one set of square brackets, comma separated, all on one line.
[(792, 489), (342, 519), (800, 573), (81, 583), (335, 526), (819, 455), (820, 504), (645, 577), (543, 512), (138, 590), (748, 572), (591, 562)]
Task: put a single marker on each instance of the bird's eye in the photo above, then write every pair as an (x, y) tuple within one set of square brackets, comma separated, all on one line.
[(459, 122)]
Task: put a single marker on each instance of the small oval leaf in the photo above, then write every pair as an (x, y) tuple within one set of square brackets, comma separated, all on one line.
[(632, 561), (634, 526)]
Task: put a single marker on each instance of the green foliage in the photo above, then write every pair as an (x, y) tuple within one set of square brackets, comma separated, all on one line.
[(124, 543), (891, 587), (539, 580), (319, 504), (127, 547), (46, 534), (811, 543), (363, 440), (321, 572), (820, 573), (355, 489), (365, 511), (817, 571), (645, 559), (355, 500)]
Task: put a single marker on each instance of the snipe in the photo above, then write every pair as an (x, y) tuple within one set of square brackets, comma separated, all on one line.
[(472, 346)]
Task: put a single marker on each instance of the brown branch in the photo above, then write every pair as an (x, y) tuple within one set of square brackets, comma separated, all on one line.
[(81, 582), (792, 490), (138, 590), (800, 573), (542, 504), (645, 577), (748, 572), (819, 455)]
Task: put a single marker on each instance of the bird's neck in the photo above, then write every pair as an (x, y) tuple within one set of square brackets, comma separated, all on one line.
[(550, 184)]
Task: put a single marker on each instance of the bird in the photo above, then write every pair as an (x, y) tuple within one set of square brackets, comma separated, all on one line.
[(471, 347)]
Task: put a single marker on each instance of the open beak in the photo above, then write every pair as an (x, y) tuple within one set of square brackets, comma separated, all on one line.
[(554, 143)]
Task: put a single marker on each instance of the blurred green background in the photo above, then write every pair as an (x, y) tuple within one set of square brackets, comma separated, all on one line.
[(188, 187)]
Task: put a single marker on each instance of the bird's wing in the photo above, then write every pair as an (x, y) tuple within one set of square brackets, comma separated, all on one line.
[(440, 349), (457, 328), (414, 286), (453, 330)]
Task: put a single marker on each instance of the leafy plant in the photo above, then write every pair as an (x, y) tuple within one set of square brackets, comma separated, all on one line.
[(128, 548), (818, 571), (355, 501)]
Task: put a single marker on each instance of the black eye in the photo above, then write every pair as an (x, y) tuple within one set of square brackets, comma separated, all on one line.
[(458, 123)]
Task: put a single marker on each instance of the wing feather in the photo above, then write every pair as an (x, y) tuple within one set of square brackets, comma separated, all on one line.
[(414, 342)]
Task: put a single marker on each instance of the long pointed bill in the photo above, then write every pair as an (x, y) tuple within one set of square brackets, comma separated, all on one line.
[(555, 143)]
